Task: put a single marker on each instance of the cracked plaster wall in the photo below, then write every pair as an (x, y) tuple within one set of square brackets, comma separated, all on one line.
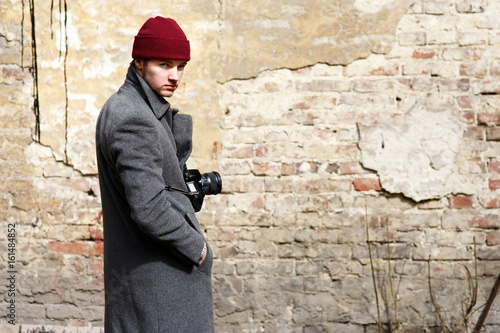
[(314, 112), (415, 154)]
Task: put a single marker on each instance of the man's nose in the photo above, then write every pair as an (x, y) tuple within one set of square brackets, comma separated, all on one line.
[(174, 74)]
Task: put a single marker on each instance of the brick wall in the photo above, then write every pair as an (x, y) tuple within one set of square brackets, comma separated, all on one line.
[(298, 148)]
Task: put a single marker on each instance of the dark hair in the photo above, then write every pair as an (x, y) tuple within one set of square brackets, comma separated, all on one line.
[(132, 63)]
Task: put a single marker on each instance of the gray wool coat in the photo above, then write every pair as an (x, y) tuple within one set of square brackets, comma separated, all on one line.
[(152, 239)]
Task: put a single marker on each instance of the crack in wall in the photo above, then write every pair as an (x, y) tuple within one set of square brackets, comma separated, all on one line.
[(63, 5), (63, 14), (34, 64)]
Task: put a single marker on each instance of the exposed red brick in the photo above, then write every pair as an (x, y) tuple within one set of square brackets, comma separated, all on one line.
[(486, 222), (468, 117), (490, 199), (351, 169), (494, 184), (367, 184), (423, 54), (494, 203), (461, 202), (261, 151), (301, 106), (266, 169), (488, 118), (96, 232), (345, 150), (83, 248), (289, 169), (474, 133), (493, 238), (385, 70), (494, 167), (463, 102), (459, 221)]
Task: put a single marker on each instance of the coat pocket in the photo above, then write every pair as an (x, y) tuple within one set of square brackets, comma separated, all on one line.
[(206, 265)]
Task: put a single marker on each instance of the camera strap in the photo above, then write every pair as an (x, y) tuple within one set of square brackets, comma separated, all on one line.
[(174, 189)]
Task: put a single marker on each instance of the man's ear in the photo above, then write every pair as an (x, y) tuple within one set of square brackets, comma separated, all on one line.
[(139, 65)]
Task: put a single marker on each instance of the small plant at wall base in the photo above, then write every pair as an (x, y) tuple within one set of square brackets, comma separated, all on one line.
[(468, 304), (393, 293)]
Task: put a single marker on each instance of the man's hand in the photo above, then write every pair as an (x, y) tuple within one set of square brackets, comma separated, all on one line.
[(203, 255), (201, 260)]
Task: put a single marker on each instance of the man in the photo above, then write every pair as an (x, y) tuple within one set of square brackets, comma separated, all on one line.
[(157, 264)]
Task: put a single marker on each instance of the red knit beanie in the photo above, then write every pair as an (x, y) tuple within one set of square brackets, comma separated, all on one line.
[(161, 38)]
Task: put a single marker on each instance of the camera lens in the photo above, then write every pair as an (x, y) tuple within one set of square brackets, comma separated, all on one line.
[(211, 183)]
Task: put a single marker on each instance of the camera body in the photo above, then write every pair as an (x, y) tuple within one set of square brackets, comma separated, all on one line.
[(199, 185)]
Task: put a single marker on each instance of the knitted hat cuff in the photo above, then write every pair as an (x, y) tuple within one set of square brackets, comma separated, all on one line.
[(153, 47)]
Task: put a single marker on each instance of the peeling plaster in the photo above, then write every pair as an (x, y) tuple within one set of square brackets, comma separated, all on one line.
[(415, 154), (303, 33)]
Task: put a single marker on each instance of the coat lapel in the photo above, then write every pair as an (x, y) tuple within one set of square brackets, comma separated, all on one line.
[(179, 127)]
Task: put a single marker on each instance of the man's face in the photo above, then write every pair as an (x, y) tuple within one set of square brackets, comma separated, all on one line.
[(163, 75)]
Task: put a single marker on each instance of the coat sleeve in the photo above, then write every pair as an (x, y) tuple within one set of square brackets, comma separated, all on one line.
[(138, 157)]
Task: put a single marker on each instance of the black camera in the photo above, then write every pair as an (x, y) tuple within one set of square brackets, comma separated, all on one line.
[(199, 185)]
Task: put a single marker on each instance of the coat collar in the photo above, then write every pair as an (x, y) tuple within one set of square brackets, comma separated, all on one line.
[(181, 128), (158, 104)]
